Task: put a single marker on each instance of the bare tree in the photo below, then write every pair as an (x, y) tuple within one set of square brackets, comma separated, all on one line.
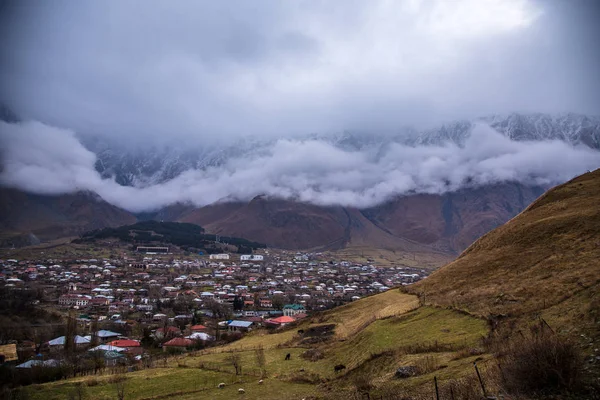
[(261, 361), (235, 360), (70, 332), (120, 385)]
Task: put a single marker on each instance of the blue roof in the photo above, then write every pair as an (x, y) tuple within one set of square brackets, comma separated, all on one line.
[(240, 324), (59, 341), (104, 333), (39, 363)]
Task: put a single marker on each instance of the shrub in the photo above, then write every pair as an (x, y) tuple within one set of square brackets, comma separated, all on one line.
[(427, 364), (92, 382), (313, 355), (541, 363)]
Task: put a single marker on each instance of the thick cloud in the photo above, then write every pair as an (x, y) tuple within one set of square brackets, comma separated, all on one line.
[(190, 72), (210, 70), (43, 159)]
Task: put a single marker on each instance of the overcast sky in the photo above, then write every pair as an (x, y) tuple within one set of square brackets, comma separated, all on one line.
[(214, 69), (185, 72)]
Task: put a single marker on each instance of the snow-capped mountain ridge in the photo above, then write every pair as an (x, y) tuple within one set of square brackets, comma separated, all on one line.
[(153, 165)]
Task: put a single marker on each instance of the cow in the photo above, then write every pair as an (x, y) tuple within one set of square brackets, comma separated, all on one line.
[(288, 356), (339, 367)]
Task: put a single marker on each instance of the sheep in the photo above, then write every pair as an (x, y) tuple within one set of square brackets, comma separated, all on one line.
[(241, 391), (260, 382), (221, 385)]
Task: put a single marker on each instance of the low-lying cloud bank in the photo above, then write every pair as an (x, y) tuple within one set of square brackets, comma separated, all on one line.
[(43, 159)]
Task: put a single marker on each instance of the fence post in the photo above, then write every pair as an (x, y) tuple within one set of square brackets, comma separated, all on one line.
[(480, 380), (437, 393)]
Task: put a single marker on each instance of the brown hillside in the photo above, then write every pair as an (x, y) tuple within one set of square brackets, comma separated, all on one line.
[(420, 223), (278, 223), (50, 217), (453, 221), (544, 260)]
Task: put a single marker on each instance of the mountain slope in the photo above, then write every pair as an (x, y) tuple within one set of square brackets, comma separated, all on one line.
[(279, 223), (417, 223), (544, 260), (452, 221), (49, 217)]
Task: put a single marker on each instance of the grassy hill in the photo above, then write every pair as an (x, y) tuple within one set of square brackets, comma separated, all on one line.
[(545, 261), (541, 267), (371, 337)]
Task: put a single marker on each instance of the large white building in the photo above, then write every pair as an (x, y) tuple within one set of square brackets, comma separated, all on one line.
[(219, 256), (252, 257)]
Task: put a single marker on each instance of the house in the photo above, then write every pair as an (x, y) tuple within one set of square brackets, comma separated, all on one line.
[(38, 363), (252, 257), (73, 300), (266, 303), (59, 342), (177, 344), (197, 328), (280, 321), (291, 310), (200, 336), (112, 358), (219, 256), (8, 352), (130, 346), (169, 331), (106, 336), (108, 347), (239, 326)]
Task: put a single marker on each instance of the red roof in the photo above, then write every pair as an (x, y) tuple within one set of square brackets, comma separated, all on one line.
[(125, 343), (283, 320), (198, 327), (169, 329), (179, 342)]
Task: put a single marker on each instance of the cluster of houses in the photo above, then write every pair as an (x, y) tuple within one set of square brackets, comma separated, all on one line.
[(170, 295)]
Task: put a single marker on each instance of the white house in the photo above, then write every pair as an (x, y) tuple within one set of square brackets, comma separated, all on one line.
[(252, 257), (219, 256)]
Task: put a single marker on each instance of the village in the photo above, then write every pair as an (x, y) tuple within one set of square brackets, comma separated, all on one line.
[(124, 310)]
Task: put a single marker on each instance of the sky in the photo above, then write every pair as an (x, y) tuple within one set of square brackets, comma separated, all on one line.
[(193, 72), (208, 70)]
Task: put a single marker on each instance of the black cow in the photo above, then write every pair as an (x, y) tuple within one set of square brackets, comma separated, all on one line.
[(288, 356), (339, 367)]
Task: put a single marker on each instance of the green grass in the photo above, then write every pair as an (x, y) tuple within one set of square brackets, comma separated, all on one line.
[(166, 383), (375, 346)]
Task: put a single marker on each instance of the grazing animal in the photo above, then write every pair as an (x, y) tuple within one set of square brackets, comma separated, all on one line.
[(339, 367), (288, 356), (221, 385), (241, 391), (260, 382)]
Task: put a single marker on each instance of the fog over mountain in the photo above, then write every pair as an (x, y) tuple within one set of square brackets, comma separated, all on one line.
[(47, 160), (330, 102)]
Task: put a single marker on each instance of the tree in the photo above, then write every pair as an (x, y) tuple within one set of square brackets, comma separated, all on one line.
[(236, 362), (70, 332), (238, 303), (94, 329), (219, 311), (278, 301), (259, 353)]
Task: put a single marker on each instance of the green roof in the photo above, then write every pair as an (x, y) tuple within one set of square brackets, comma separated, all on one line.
[(293, 307)]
